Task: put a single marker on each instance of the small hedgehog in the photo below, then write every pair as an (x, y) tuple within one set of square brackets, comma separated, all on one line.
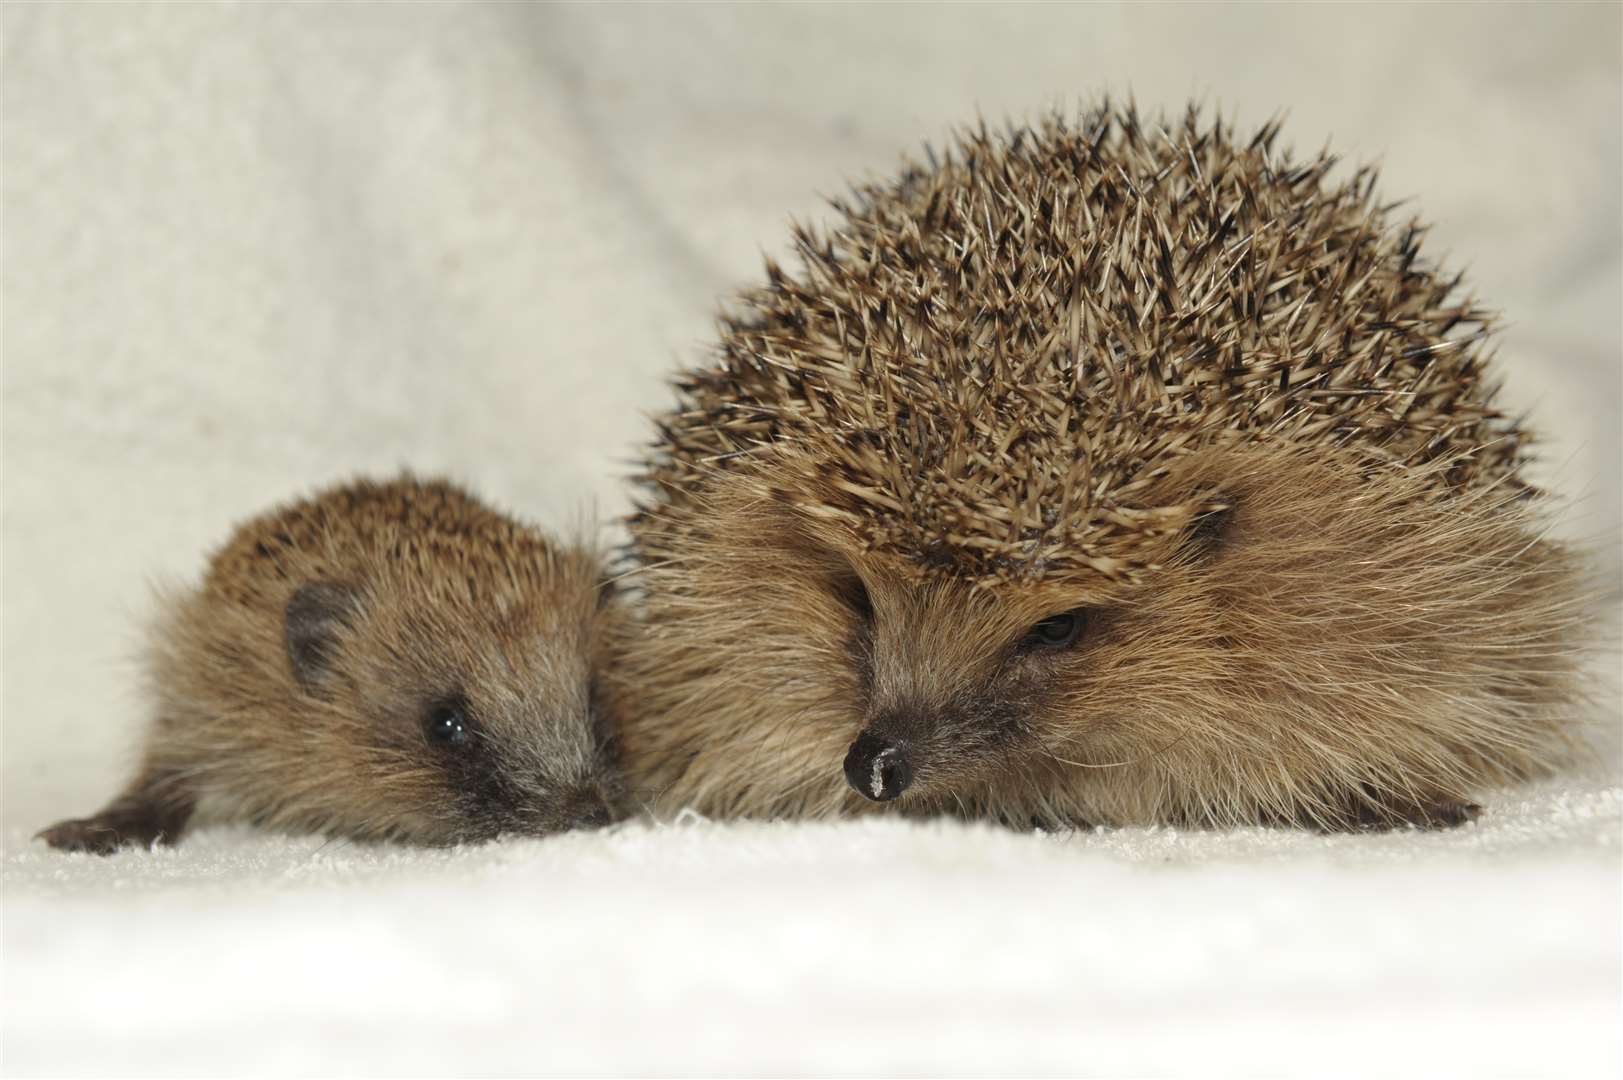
[(380, 661), (1100, 472)]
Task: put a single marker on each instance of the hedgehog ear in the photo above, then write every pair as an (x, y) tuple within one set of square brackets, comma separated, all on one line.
[(1209, 524), (315, 615)]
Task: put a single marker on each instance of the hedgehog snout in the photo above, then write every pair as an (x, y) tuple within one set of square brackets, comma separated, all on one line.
[(878, 767), (595, 816), (587, 808), (551, 807)]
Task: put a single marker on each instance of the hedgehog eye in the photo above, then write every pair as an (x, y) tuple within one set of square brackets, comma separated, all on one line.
[(1056, 631), (447, 725)]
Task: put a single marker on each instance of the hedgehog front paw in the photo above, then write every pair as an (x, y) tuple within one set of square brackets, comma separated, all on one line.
[(94, 834), (108, 831)]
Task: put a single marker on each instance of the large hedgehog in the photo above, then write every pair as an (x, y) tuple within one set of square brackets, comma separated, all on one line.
[(1100, 471)]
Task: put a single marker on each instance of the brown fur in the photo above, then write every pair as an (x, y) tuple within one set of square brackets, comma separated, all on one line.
[(294, 689), (1153, 374)]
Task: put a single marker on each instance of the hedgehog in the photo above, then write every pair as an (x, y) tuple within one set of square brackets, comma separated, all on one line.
[(380, 661), (1100, 471)]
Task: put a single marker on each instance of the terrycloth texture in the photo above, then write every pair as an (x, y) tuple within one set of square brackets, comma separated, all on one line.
[(873, 948), (251, 248)]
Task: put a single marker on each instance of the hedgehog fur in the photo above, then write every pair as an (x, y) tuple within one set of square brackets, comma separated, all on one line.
[(382, 661), (1100, 471)]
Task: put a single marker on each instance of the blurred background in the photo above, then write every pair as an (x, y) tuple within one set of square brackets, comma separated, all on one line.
[(251, 248)]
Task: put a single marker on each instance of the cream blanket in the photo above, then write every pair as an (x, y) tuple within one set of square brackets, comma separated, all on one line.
[(250, 248)]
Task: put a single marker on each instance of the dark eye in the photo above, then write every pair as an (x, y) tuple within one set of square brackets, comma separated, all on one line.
[(1056, 631), (447, 725)]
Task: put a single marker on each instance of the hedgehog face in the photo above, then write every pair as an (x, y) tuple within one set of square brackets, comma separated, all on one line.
[(477, 719), (964, 682), (961, 683), (808, 649)]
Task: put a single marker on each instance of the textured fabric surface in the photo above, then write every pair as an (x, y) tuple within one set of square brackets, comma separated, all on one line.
[(870, 948), (252, 248)]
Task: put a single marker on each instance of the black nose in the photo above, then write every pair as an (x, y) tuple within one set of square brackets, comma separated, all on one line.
[(595, 818), (877, 768)]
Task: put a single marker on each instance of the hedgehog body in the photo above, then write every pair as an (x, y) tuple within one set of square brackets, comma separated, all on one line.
[(379, 661), (1099, 471)]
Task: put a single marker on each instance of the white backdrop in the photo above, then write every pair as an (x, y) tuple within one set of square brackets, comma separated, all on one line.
[(250, 248)]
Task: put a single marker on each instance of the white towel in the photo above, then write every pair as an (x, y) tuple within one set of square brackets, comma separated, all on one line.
[(252, 248)]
